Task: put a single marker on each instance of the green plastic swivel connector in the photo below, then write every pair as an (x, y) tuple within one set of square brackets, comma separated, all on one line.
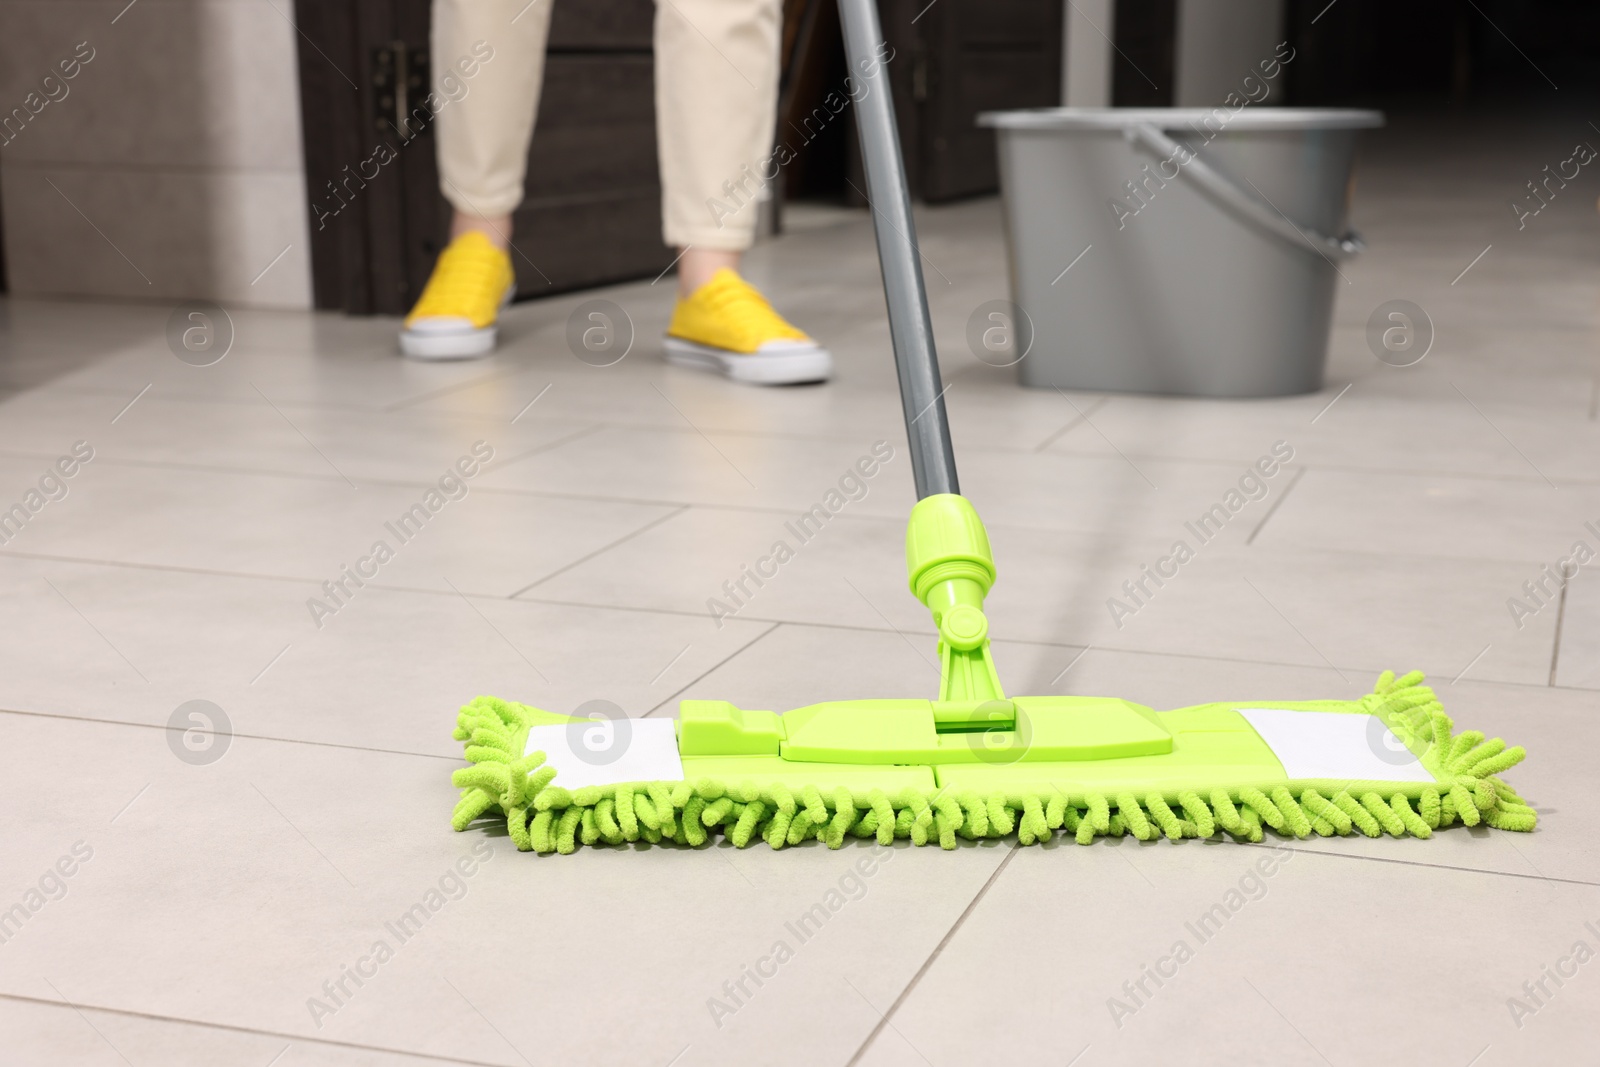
[(951, 568)]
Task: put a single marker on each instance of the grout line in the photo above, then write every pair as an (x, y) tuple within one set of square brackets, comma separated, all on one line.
[(714, 667), (1081, 419), (248, 737), (172, 568), (642, 609), (1417, 863), (754, 509), (549, 446), (180, 1020), (57, 386), (101, 1034), (1273, 510), (933, 956), (1555, 648), (594, 427), (602, 550), (434, 394)]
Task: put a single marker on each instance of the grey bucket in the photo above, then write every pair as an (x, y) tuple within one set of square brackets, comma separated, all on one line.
[(1215, 277)]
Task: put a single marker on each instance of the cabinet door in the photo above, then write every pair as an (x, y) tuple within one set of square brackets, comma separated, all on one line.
[(1143, 68), (955, 59), (376, 216)]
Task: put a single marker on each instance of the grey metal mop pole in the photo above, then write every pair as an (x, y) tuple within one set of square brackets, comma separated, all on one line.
[(933, 461)]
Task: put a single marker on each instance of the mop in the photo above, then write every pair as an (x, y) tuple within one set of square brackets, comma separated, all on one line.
[(973, 763)]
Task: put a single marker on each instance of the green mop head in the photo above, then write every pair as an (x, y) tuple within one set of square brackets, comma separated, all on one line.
[(977, 764)]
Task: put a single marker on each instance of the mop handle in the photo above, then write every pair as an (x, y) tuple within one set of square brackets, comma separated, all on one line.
[(933, 461)]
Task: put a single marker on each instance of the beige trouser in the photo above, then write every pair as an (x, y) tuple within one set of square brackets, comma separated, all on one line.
[(716, 65)]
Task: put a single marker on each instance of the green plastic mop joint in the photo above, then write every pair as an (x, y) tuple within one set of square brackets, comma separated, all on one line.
[(951, 569)]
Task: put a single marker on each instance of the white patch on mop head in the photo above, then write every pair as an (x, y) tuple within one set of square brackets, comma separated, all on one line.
[(609, 751), (1331, 744)]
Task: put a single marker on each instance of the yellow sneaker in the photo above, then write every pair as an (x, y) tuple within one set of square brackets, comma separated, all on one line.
[(455, 316), (728, 327)]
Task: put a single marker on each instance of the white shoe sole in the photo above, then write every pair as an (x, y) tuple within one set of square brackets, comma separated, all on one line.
[(777, 366), (465, 342)]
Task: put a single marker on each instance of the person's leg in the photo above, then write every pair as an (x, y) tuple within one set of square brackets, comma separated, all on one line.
[(696, 266), (483, 136), (716, 112), (488, 63)]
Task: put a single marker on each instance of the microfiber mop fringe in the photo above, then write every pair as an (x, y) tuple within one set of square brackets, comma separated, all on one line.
[(544, 817)]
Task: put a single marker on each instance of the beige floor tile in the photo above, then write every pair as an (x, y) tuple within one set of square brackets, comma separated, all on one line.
[(298, 527), (253, 886), (1362, 429), (387, 671), (264, 436), (1357, 611), (684, 466), (1578, 659), (1036, 975), (58, 1032), (1524, 519)]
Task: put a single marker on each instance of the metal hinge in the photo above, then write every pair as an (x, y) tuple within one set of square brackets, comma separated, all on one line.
[(399, 89)]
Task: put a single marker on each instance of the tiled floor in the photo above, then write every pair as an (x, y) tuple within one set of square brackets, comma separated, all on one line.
[(211, 899)]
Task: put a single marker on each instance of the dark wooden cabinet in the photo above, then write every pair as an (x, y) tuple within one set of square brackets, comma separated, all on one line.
[(375, 213), (955, 59), (1144, 63), (592, 208)]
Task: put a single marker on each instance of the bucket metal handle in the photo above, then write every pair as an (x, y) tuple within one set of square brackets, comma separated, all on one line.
[(1251, 207)]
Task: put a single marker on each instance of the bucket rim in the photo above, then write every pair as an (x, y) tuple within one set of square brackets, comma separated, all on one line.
[(1175, 118)]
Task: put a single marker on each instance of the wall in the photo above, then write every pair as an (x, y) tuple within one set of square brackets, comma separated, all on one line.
[(1089, 29), (171, 168), (1221, 41)]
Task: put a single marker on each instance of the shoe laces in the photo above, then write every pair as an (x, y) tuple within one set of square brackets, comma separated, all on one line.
[(736, 302), (465, 275)]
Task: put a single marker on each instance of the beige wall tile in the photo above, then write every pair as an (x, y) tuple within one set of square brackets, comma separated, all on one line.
[(179, 138), (171, 84), (157, 234)]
